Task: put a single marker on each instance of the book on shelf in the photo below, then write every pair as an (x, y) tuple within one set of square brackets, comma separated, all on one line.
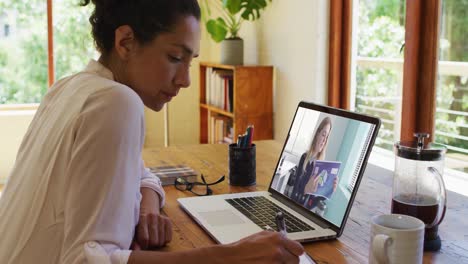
[(230, 95), (208, 84), (220, 128), (219, 88), (169, 173)]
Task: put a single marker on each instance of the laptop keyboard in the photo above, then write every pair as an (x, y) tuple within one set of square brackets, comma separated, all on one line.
[(263, 211)]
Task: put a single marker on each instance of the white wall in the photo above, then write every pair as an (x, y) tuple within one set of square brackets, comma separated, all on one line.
[(293, 36)]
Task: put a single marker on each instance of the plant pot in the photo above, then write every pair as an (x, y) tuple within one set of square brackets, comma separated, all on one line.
[(232, 51)]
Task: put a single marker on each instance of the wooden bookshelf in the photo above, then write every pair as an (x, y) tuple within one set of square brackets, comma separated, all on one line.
[(215, 109), (250, 101)]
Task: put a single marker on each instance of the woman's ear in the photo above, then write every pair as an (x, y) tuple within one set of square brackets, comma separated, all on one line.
[(125, 41)]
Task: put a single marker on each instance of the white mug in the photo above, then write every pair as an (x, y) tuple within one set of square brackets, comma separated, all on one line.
[(396, 238)]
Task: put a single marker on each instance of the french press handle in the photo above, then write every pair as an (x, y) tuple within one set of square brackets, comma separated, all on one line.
[(443, 200)]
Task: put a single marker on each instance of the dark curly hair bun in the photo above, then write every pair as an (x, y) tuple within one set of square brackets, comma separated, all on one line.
[(147, 18)]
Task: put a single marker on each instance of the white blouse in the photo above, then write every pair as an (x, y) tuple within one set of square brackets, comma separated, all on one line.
[(74, 193)]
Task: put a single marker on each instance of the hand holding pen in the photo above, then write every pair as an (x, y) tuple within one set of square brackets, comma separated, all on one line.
[(281, 225), (264, 247)]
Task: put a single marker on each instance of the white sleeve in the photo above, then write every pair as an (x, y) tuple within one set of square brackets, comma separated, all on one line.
[(103, 190), (151, 181), (95, 253)]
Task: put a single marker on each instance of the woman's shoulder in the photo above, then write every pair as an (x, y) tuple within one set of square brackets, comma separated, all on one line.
[(115, 109), (120, 98), (102, 92), (118, 94)]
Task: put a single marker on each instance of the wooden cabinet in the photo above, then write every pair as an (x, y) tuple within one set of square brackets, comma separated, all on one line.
[(233, 97)]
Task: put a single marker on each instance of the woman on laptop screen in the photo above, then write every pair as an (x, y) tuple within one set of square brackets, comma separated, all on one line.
[(306, 181)]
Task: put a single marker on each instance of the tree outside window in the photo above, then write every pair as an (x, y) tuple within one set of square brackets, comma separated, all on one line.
[(379, 73), (452, 86), (380, 36), (23, 53)]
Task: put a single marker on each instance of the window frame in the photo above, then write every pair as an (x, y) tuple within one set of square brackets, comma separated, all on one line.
[(50, 44), (420, 63), (339, 53)]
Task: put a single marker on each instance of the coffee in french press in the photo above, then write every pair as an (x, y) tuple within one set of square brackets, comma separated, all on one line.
[(418, 186)]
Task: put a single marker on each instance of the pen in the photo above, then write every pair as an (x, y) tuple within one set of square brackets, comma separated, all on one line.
[(251, 135), (280, 224), (245, 139)]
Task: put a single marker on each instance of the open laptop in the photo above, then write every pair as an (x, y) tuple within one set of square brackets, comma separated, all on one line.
[(230, 217)]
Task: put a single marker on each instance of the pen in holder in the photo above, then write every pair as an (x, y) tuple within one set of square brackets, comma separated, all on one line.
[(242, 168)]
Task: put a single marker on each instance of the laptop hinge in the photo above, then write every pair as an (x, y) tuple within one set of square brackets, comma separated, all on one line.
[(302, 211)]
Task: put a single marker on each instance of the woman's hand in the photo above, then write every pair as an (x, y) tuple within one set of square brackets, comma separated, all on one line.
[(264, 247), (153, 230), (312, 184)]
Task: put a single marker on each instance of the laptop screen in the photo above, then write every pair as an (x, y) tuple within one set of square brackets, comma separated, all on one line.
[(322, 159)]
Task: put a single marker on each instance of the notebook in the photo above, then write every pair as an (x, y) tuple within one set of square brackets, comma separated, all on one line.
[(168, 174), (346, 146)]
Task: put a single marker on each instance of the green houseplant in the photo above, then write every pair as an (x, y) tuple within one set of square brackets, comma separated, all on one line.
[(225, 28)]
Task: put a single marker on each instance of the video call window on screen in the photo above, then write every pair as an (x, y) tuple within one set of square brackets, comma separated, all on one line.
[(321, 161)]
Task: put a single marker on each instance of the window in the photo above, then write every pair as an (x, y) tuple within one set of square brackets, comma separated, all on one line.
[(395, 73), (23, 53), (378, 62), (24, 48), (73, 43), (452, 85)]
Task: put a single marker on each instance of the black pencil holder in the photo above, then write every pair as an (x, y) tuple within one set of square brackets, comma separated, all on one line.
[(242, 169)]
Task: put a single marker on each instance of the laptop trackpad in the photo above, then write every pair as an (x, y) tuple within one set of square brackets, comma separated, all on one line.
[(221, 217)]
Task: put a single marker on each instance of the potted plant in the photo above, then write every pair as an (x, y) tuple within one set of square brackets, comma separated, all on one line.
[(225, 28)]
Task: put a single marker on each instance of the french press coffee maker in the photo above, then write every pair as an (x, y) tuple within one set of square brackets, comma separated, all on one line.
[(418, 186)]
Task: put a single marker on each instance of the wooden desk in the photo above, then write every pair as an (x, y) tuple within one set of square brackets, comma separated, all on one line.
[(352, 247)]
